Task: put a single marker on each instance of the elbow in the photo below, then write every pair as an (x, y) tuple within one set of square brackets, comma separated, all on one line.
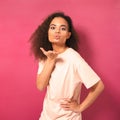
[(102, 87), (40, 87), (99, 87)]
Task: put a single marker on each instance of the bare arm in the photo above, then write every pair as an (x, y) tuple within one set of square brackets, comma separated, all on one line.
[(91, 97), (44, 77)]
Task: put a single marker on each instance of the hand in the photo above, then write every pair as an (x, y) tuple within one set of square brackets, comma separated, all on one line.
[(50, 54), (72, 105)]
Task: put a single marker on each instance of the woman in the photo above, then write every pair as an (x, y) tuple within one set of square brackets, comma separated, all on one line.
[(62, 70)]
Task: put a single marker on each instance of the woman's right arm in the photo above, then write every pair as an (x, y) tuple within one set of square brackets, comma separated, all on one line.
[(44, 77)]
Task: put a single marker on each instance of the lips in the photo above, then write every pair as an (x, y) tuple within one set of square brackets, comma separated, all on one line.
[(57, 37)]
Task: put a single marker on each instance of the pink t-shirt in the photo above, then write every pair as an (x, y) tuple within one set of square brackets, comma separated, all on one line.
[(70, 72)]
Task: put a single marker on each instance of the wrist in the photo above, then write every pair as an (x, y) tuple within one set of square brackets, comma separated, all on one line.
[(50, 62), (80, 109)]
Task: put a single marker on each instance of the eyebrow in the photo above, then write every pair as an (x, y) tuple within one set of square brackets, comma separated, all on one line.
[(55, 25)]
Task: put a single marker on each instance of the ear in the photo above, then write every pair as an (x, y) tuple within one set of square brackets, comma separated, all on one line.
[(69, 34)]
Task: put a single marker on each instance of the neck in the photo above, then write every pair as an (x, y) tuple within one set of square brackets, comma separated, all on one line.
[(59, 49)]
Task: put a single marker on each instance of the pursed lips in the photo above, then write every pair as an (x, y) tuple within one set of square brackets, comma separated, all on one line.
[(57, 37)]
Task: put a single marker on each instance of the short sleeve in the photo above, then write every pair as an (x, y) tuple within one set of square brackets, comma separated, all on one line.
[(87, 74), (40, 66)]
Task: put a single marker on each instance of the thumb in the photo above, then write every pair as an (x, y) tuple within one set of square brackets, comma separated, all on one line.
[(43, 50)]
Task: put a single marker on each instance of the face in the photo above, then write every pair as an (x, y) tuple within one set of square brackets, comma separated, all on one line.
[(58, 31)]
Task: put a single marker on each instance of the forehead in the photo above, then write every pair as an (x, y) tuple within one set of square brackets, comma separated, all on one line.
[(59, 21)]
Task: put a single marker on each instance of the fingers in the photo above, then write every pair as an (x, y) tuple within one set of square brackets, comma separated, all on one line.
[(42, 49), (65, 103), (50, 54), (68, 104), (49, 51)]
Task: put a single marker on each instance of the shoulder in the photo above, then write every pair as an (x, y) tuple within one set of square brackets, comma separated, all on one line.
[(74, 55)]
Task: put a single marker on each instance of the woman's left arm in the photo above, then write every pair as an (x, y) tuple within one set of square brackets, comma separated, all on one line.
[(94, 92)]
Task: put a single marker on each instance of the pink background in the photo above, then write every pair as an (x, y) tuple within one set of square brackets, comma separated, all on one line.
[(98, 24)]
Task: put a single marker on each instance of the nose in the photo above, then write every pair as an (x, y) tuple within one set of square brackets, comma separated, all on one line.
[(57, 30)]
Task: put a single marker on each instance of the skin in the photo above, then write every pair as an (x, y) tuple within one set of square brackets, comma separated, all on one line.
[(58, 34)]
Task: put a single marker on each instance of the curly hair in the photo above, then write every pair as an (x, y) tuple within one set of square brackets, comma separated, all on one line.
[(40, 37)]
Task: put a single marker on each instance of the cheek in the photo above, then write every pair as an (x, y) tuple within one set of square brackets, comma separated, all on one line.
[(66, 36), (49, 35), (49, 38)]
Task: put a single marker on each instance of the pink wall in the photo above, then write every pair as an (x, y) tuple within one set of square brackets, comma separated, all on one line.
[(97, 21)]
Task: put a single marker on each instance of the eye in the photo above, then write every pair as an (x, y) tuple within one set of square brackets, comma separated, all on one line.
[(52, 27), (63, 29)]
